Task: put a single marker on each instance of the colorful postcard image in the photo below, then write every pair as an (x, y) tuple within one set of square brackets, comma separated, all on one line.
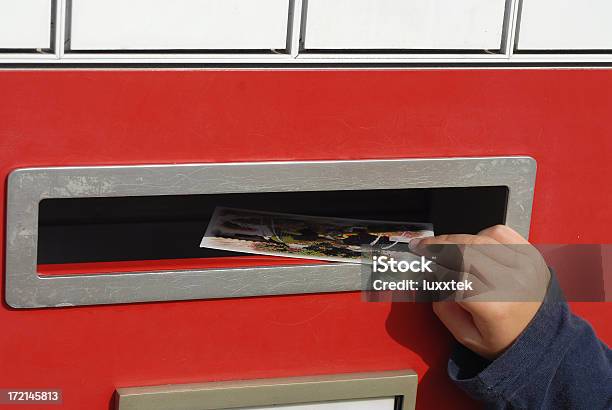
[(306, 237)]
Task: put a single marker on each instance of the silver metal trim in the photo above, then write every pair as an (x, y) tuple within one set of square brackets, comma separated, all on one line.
[(270, 392), (28, 186)]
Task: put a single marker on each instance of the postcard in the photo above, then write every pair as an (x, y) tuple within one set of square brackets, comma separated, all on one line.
[(303, 236)]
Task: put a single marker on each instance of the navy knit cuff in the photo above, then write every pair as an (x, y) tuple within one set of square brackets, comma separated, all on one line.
[(539, 343)]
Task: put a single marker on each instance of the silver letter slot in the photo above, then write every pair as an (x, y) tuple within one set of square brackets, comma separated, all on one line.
[(26, 288)]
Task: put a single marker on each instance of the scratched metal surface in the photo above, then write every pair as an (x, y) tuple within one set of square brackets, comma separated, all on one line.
[(274, 392), (26, 187)]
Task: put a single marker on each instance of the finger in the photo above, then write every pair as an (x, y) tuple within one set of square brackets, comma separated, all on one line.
[(442, 248), (446, 250), (503, 234), (483, 261), (511, 239), (475, 287), (471, 285), (463, 239), (460, 323)]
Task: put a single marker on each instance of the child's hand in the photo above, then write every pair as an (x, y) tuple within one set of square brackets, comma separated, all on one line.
[(488, 326)]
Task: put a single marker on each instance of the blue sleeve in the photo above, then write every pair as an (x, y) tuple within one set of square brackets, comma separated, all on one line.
[(557, 363)]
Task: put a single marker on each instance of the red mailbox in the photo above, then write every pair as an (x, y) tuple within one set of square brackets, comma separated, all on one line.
[(51, 119)]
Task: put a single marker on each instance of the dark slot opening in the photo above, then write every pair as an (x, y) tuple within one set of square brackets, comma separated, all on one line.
[(170, 227)]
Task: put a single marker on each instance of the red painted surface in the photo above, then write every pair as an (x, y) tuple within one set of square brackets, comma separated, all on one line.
[(561, 118), (168, 264)]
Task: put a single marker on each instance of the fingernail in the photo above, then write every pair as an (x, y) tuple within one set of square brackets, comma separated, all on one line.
[(414, 244)]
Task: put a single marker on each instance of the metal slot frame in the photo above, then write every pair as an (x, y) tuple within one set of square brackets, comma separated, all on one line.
[(401, 384), (28, 186)]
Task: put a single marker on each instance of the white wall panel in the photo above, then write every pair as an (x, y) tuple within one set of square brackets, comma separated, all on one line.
[(404, 24), (178, 24), (565, 25), (365, 404), (25, 24)]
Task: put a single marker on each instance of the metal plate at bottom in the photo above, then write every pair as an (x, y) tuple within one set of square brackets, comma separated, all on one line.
[(341, 390)]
